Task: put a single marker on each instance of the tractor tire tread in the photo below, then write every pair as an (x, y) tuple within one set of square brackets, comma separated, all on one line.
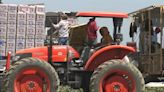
[(22, 63), (105, 66)]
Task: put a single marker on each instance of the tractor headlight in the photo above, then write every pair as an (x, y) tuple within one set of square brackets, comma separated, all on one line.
[(71, 55)]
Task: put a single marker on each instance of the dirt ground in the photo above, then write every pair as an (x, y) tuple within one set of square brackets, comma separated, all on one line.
[(160, 89), (148, 89)]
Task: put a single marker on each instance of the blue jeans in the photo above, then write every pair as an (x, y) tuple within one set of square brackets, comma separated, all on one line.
[(62, 40)]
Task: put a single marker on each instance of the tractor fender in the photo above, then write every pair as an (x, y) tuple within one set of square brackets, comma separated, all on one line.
[(107, 53)]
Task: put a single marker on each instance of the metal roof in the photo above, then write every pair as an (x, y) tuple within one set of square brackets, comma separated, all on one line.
[(150, 8), (156, 14), (102, 14)]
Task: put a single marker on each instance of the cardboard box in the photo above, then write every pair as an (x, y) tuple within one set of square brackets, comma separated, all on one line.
[(21, 16), (11, 23), (40, 8), (3, 22), (21, 37), (2, 46), (31, 16), (3, 15), (30, 22), (4, 7), (12, 16), (40, 38), (2, 43), (40, 17), (39, 44), (3, 37), (30, 30), (20, 44), (40, 31), (40, 24), (11, 36), (31, 26), (30, 36), (21, 31), (11, 30), (29, 41), (2, 52), (22, 8), (21, 23), (31, 9), (30, 45), (12, 8), (3, 31), (10, 46), (3, 34)]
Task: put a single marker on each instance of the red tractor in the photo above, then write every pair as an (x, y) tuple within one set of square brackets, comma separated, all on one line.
[(43, 69)]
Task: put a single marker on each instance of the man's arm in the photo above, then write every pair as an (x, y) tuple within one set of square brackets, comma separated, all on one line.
[(57, 26)]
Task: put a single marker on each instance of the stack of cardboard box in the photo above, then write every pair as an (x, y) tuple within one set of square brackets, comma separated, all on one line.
[(40, 26), (30, 30), (21, 26), (3, 28), (11, 28)]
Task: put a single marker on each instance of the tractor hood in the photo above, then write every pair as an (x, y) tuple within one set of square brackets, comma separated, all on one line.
[(59, 53)]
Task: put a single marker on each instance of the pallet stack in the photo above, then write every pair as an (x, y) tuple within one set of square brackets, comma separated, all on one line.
[(21, 26), (3, 28), (40, 26), (30, 33)]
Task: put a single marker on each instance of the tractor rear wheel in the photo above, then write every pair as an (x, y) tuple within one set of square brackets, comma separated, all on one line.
[(31, 75), (116, 76)]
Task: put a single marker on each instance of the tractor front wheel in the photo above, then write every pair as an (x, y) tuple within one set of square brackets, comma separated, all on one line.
[(116, 76), (31, 75)]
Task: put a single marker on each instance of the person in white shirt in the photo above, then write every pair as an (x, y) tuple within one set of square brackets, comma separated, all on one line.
[(63, 29), (154, 38)]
